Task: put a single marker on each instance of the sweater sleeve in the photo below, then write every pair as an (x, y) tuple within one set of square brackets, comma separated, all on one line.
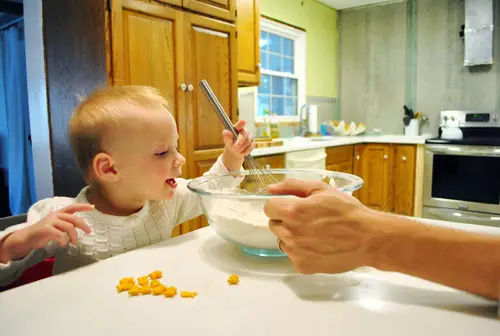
[(187, 205), (13, 269)]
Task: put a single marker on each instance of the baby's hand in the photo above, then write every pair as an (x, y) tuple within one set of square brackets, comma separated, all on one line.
[(243, 145), (59, 226)]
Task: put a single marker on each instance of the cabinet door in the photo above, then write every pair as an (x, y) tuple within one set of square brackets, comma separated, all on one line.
[(172, 2), (373, 164), (340, 159), (210, 47), (148, 50), (248, 26), (271, 161), (342, 167), (404, 179), (222, 9)]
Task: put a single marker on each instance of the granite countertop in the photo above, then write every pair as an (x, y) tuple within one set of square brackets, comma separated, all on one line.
[(294, 144)]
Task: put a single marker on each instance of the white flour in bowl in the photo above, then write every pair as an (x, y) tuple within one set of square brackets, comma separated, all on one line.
[(242, 221)]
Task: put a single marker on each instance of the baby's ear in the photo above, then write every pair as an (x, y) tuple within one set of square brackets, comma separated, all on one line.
[(103, 167)]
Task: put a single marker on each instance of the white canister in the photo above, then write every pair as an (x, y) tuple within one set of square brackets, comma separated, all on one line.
[(413, 128)]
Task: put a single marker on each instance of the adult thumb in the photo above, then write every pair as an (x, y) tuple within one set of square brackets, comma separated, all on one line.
[(297, 188)]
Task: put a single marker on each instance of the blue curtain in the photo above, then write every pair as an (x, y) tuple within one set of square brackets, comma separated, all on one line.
[(14, 103)]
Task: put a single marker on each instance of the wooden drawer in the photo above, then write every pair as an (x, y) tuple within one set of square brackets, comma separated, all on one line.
[(271, 161), (340, 154)]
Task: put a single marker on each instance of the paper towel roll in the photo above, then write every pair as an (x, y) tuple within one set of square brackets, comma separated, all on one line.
[(313, 119)]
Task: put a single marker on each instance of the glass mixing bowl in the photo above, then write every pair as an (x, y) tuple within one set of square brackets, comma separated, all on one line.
[(236, 212)]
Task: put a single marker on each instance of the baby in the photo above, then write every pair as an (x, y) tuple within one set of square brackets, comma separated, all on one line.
[(125, 142)]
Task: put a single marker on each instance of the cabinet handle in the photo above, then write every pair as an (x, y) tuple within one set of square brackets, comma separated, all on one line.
[(259, 66), (403, 158), (268, 166), (386, 156), (357, 157), (183, 87), (190, 87)]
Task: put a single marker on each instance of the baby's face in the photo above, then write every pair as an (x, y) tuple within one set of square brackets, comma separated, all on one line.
[(146, 156)]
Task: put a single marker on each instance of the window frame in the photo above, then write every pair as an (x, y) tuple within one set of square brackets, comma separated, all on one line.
[(299, 38)]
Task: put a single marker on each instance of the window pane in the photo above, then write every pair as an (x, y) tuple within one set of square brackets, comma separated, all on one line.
[(275, 62), (291, 87), (288, 47), (275, 43), (291, 107), (264, 86), (288, 65), (278, 106), (263, 104), (264, 40), (264, 59), (278, 86)]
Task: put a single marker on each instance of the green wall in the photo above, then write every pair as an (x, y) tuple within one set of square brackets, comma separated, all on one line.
[(320, 22)]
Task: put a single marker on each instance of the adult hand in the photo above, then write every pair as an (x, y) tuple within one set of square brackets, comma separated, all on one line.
[(322, 230)]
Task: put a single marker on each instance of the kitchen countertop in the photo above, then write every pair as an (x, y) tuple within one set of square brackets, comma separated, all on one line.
[(298, 145), (271, 299)]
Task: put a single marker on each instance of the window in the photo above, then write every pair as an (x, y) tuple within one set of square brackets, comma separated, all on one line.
[(283, 68)]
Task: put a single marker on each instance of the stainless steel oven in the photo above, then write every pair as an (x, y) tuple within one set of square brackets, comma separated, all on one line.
[(462, 177)]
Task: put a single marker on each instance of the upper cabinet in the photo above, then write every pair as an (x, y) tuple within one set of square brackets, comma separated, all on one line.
[(248, 26), (222, 9)]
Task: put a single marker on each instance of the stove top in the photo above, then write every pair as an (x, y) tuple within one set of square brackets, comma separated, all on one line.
[(466, 141)]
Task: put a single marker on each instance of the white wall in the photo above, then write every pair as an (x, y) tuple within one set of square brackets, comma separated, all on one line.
[(37, 98)]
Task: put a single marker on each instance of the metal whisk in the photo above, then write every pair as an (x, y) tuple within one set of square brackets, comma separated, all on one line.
[(261, 175)]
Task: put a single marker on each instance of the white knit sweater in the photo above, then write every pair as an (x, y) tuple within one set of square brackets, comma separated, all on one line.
[(111, 235)]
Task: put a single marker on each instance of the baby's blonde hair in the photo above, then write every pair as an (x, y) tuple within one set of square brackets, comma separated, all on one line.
[(101, 111)]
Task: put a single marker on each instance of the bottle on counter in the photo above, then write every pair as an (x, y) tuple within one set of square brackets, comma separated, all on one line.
[(266, 133), (275, 127)]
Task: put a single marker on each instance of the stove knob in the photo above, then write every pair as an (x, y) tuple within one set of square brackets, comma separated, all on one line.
[(494, 117)]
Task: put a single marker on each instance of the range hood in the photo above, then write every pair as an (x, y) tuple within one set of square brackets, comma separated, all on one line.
[(478, 32)]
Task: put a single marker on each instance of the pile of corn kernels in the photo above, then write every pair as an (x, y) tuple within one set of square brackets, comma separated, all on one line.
[(150, 284)]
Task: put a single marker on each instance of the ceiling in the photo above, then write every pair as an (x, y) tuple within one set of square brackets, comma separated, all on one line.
[(343, 4)]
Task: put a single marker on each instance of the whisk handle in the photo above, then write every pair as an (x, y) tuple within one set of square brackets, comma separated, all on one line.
[(212, 98)]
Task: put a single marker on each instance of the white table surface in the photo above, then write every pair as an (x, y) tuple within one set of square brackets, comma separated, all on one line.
[(271, 299)]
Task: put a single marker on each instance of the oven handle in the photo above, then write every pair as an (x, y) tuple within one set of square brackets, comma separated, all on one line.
[(464, 150), (447, 215)]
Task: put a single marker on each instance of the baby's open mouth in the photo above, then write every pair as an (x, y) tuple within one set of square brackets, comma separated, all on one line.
[(171, 183)]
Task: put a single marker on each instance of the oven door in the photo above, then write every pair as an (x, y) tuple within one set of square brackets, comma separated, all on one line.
[(462, 177)]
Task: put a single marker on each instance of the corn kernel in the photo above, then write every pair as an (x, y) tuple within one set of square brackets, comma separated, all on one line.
[(127, 280), (188, 294), (233, 279), (120, 288), (170, 292), (158, 274), (158, 290), (145, 290), (143, 281), (134, 291), (155, 283)]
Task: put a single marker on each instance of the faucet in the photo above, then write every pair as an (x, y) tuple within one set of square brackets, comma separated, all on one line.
[(304, 120)]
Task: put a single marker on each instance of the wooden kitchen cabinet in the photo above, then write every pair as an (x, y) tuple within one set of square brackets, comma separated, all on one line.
[(222, 9), (404, 166), (340, 159), (372, 162), (248, 27), (388, 172), (271, 161), (177, 3)]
